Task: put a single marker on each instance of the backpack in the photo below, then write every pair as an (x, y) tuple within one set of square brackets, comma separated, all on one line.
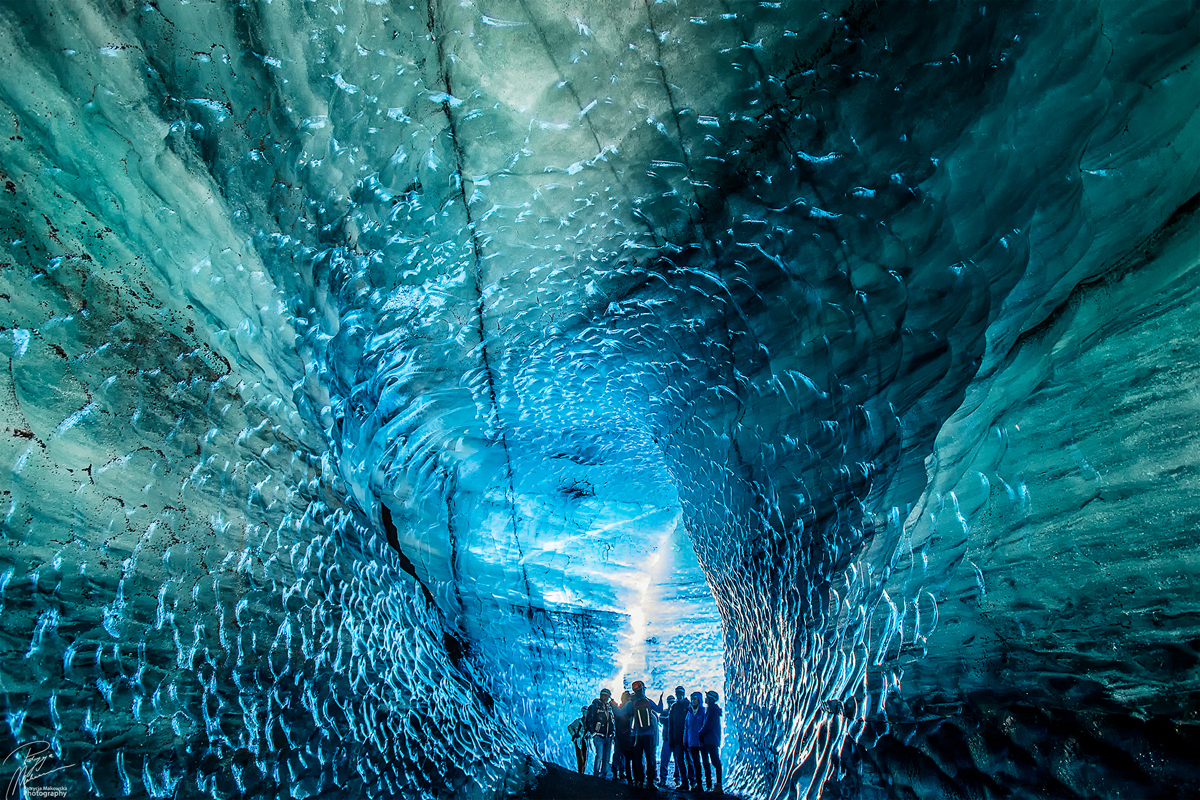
[(641, 714), (601, 723)]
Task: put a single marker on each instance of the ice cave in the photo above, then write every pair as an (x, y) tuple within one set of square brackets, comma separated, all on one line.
[(381, 379)]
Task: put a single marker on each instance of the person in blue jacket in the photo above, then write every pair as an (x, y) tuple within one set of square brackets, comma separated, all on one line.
[(664, 754), (643, 718), (623, 750), (710, 741), (692, 728)]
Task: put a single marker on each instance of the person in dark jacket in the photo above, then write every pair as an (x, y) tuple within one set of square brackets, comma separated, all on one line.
[(664, 754), (710, 741), (622, 760), (675, 736), (691, 736), (643, 717), (603, 727)]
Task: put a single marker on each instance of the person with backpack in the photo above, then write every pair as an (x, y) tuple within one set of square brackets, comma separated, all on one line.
[(644, 714), (622, 760), (579, 738), (664, 754), (676, 738), (710, 741), (692, 727), (602, 725)]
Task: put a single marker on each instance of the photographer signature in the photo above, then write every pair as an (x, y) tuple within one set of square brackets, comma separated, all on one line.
[(33, 765)]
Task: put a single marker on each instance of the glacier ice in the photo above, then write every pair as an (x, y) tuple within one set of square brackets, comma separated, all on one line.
[(384, 377)]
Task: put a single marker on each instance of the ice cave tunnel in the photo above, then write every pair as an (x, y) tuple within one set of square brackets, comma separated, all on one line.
[(380, 379)]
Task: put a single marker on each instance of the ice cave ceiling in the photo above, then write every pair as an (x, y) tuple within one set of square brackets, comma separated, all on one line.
[(381, 378)]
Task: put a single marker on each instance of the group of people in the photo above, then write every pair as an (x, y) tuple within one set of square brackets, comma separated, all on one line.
[(626, 736)]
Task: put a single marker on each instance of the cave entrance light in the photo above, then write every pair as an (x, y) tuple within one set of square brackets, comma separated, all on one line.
[(600, 586)]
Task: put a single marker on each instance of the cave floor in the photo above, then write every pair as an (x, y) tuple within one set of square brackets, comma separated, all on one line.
[(560, 783)]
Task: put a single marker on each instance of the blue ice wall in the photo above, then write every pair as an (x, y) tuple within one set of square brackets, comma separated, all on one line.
[(367, 363)]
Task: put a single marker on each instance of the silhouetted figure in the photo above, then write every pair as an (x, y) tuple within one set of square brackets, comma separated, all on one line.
[(664, 753), (622, 762), (579, 738), (676, 737), (710, 741), (601, 723), (692, 727), (643, 717)]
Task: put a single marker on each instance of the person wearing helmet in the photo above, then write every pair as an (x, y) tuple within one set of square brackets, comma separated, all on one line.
[(643, 718), (710, 741), (692, 728), (601, 724), (579, 738), (676, 737)]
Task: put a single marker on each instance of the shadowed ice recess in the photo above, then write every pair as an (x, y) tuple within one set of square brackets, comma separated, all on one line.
[(380, 380)]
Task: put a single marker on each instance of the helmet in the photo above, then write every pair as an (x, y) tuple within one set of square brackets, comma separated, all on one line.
[(605, 693), (638, 687), (679, 690), (711, 696), (671, 700)]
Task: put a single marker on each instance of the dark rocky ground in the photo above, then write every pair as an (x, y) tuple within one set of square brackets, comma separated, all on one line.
[(559, 783)]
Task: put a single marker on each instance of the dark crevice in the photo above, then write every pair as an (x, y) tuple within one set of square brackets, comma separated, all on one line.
[(393, 539), (675, 111), (496, 422), (457, 646)]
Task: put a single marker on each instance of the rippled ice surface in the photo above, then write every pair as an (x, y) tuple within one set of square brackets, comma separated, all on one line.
[(384, 378)]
